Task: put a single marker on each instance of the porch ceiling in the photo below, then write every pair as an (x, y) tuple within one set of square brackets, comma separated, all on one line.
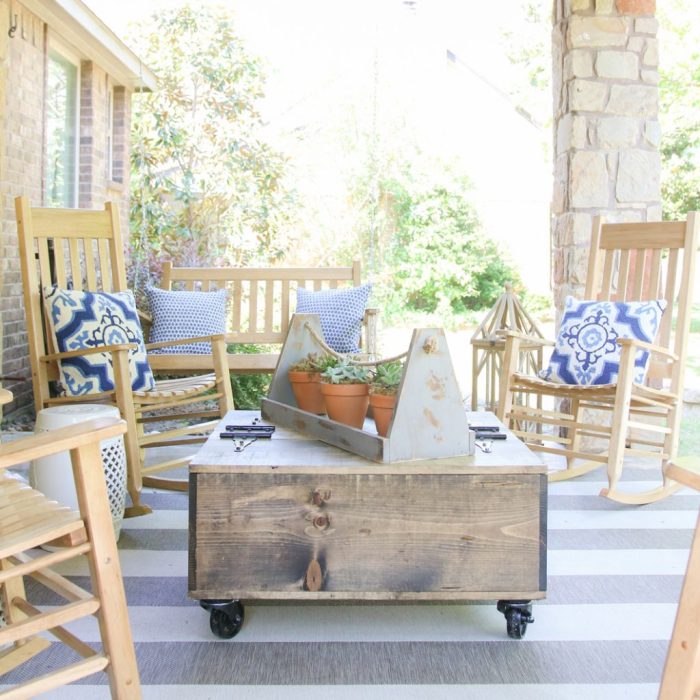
[(94, 40)]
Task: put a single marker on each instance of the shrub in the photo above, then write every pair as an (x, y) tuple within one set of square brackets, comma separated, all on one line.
[(249, 389), (440, 258)]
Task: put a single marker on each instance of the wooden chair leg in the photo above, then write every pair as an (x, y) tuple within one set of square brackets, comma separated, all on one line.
[(127, 409), (508, 368), (223, 373), (573, 433), (106, 575), (620, 421)]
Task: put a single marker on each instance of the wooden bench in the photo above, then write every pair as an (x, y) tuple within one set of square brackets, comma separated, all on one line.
[(261, 305)]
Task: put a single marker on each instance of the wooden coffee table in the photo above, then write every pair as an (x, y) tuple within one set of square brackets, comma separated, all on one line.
[(291, 518)]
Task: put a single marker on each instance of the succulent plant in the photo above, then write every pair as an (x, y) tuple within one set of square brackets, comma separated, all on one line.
[(314, 362), (387, 378), (346, 373)]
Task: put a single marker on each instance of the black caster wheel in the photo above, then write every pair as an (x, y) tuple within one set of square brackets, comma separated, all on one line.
[(518, 615), (225, 617)]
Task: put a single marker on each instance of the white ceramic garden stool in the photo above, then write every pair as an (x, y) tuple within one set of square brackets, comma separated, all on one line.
[(53, 476)]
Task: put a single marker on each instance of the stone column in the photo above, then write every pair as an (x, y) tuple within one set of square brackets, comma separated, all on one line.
[(4, 41), (606, 131)]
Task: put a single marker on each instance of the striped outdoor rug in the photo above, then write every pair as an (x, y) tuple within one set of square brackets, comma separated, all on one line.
[(615, 574)]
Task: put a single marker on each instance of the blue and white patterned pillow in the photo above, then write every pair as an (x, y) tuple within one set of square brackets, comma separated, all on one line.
[(185, 315), (586, 350), (91, 319), (340, 312)]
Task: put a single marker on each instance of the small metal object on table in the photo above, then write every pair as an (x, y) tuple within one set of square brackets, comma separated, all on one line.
[(293, 518)]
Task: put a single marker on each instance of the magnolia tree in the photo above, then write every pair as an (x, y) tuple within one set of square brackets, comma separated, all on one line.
[(206, 187)]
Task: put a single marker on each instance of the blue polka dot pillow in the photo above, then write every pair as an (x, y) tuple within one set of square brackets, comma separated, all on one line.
[(340, 312), (93, 319), (185, 315), (586, 350)]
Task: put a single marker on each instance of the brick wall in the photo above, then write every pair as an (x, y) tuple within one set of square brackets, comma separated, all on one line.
[(22, 90), (23, 174)]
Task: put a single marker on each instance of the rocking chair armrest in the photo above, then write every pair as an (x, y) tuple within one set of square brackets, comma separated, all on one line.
[(53, 357), (371, 312), (59, 440), (182, 341), (525, 338), (642, 345)]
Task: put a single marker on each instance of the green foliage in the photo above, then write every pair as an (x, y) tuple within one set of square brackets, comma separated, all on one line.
[(387, 378), (527, 43), (206, 188), (314, 362), (345, 373), (439, 258), (248, 389), (680, 143)]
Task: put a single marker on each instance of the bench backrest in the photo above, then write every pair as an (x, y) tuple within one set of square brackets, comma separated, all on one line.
[(261, 299)]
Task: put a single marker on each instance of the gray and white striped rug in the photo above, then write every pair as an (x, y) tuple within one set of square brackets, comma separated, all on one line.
[(615, 574)]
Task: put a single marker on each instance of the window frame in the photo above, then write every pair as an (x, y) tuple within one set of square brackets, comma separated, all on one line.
[(59, 52)]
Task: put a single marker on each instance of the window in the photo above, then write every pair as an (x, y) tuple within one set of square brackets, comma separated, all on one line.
[(61, 131), (109, 149)]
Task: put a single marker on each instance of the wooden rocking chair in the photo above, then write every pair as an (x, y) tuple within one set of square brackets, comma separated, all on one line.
[(29, 520), (83, 250), (628, 262)]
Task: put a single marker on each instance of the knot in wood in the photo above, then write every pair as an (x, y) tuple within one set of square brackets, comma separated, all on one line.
[(318, 497), (313, 581), (322, 522), (430, 345)]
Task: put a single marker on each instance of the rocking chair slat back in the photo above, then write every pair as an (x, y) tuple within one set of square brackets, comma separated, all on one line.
[(61, 251), (634, 260)]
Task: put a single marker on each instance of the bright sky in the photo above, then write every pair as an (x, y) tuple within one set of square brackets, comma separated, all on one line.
[(320, 57), (284, 29)]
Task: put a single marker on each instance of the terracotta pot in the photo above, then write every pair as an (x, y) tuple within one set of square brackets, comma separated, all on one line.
[(307, 391), (383, 409), (346, 403)]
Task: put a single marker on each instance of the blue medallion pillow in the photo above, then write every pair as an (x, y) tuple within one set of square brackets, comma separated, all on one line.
[(91, 319), (340, 311), (185, 315), (586, 350)]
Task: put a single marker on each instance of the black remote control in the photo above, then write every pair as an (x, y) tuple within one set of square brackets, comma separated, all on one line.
[(242, 434), (489, 435)]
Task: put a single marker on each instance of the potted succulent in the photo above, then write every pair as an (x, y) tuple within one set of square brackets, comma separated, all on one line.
[(382, 394), (305, 376), (345, 391)]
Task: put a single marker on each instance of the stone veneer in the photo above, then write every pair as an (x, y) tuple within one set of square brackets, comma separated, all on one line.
[(606, 130)]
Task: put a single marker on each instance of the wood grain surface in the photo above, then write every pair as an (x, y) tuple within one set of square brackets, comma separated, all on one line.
[(293, 518)]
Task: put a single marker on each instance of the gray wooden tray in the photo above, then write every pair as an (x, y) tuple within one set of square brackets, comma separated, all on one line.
[(429, 420)]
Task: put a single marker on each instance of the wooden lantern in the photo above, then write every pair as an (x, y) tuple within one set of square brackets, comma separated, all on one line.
[(489, 343)]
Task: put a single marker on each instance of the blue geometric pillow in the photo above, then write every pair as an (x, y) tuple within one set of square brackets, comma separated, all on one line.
[(587, 352), (340, 312), (91, 319), (185, 315)]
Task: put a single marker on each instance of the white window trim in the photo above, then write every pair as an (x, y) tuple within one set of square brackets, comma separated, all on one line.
[(57, 46), (110, 132)]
